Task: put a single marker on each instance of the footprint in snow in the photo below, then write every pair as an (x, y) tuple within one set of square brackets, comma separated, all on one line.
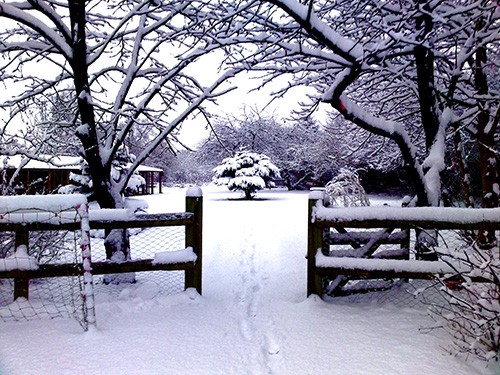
[(245, 330), (272, 346)]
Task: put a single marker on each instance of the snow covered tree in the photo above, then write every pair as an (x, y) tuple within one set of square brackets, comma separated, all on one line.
[(301, 149), (246, 171), (127, 64), (404, 70), (51, 123), (360, 149), (412, 71), (252, 131)]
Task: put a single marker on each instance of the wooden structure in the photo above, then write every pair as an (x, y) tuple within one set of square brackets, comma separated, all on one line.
[(152, 176), (191, 220), (39, 177), (334, 226)]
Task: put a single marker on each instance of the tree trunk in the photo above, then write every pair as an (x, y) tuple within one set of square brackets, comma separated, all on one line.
[(87, 134), (486, 143), (424, 62), (463, 166), (117, 243)]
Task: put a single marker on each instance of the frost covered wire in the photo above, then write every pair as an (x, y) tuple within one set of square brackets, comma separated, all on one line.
[(401, 293), (64, 296), (59, 297)]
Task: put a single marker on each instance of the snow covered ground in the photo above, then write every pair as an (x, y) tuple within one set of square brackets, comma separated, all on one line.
[(253, 317)]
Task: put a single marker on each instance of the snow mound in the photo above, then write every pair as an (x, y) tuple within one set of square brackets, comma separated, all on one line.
[(20, 260)]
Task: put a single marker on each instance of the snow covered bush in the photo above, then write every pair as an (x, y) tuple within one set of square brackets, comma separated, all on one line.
[(82, 183), (472, 312), (120, 170), (246, 171), (345, 190)]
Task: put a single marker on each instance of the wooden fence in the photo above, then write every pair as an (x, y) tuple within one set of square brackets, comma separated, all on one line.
[(191, 220), (348, 226)]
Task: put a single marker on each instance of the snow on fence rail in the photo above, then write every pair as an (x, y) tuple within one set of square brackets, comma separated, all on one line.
[(22, 216), (330, 227)]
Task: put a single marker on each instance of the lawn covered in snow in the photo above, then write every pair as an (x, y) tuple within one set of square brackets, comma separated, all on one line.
[(253, 317)]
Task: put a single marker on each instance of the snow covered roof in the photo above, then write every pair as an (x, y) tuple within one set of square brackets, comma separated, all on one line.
[(57, 162), (145, 168)]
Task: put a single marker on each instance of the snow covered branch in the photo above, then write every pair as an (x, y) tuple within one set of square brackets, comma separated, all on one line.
[(130, 65), (399, 70), (54, 39)]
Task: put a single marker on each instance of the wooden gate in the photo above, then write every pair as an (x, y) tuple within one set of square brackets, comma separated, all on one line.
[(365, 229)]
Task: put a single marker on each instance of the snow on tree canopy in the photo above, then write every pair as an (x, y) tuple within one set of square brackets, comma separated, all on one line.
[(246, 171)]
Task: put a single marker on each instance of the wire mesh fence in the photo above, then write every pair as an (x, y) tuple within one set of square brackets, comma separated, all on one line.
[(45, 268), (401, 292), (27, 249), (62, 296), (49, 298), (144, 244), (402, 256)]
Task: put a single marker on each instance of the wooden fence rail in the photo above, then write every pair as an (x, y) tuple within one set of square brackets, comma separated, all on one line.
[(191, 220), (327, 226)]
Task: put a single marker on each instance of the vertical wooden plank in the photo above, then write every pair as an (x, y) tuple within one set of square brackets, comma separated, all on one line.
[(21, 285), (406, 244), (314, 242), (144, 187), (28, 182), (194, 235)]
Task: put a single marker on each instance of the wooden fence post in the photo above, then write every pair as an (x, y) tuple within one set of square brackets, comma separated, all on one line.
[(314, 242), (21, 285), (406, 244), (194, 204)]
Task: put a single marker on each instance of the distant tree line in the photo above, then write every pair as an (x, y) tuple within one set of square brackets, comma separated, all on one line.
[(307, 152)]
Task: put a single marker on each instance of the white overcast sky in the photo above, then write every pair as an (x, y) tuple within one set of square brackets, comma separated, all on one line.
[(234, 103)]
